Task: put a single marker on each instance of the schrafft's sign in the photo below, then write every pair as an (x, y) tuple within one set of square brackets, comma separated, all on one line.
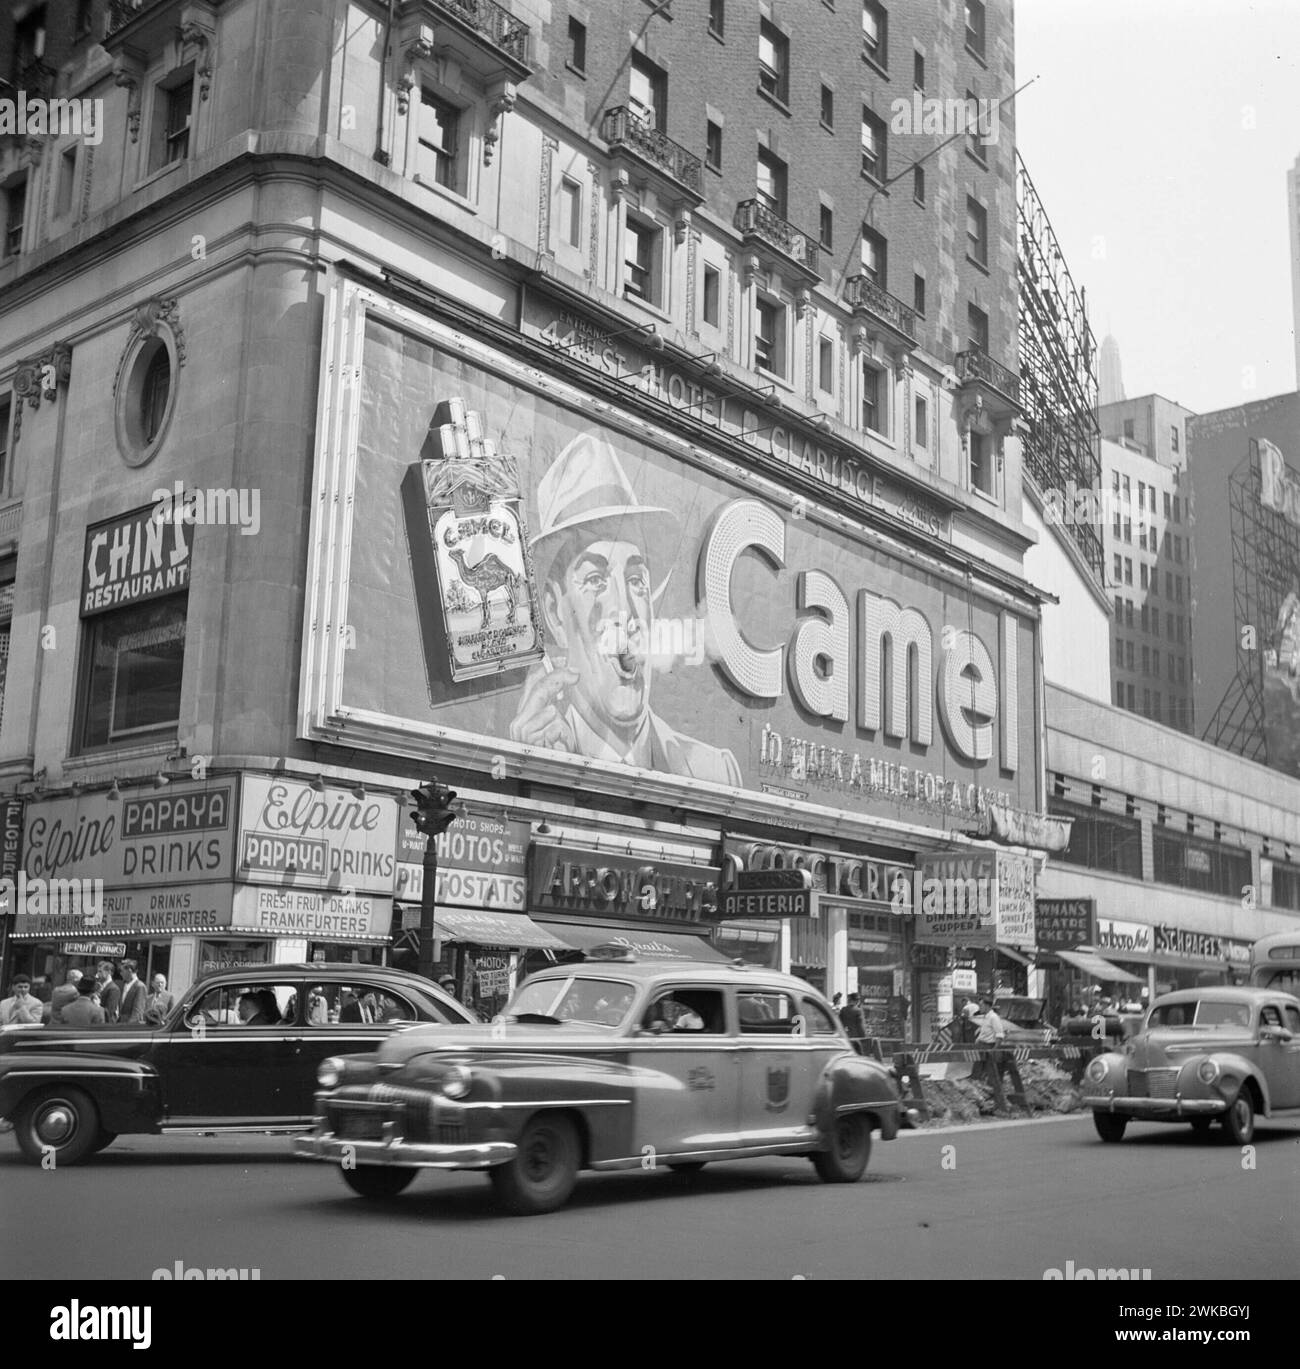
[(639, 370), (180, 834), (131, 559), (569, 881), (293, 834), (1177, 943)]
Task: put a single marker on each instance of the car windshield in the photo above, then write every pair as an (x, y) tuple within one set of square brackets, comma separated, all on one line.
[(1207, 1012), (579, 998)]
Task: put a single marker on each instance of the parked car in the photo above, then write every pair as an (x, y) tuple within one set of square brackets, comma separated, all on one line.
[(1024, 1020), (239, 1052), (612, 1063), (1202, 1054)]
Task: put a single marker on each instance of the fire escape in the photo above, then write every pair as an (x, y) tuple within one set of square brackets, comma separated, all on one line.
[(1058, 370)]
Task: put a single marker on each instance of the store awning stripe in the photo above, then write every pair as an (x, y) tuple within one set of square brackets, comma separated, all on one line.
[(1098, 968), (648, 945), (1015, 955), (484, 928)]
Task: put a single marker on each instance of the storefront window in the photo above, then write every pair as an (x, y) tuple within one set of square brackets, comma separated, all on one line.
[(1101, 841)]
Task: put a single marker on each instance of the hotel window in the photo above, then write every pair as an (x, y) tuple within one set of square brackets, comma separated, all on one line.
[(173, 104), (875, 33), (1169, 657), (1173, 439), (1155, 662), (1146, 658), (1128, 429), (709, 304), (1143, 614), (975, 27), (875, 399), (1182, 670), (1146, 702), (918, 184), (648, 93), (713, 146), (873, 146), (1151, 502), (826, 227), (1128, 530), (131, 687), (1178, 588), (1178, 515), (977, 328), (155, 394), (1128, 570), (773, 62), (437, 136), (6, 413), (29, 42), (571, 211), (826, 365), (577, 47), (918, 295), (1128, 655), (15, 197), (1117, 525), (771, 182), (1155, 621), (973, 144), (1128, 613), (921, 425), (1132, 705), (1119, 703), (1119, 652), (918, 71), (1181, 620), (828, 108), (875, 257), (67, 180), (1169, 585), (769, 335), (980, 449), (1119, 603), (641, 259), (977, 232), (717, 17), (1118, 568)]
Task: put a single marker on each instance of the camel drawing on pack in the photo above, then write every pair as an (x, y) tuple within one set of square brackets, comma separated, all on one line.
[(486, 577)]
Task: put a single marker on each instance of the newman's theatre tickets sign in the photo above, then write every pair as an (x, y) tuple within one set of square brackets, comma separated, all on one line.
[(699, 627)]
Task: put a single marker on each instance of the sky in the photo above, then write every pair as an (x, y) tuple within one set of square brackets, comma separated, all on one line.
[(1158, 134)]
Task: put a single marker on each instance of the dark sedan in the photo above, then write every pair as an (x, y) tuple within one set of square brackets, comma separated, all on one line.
[(238, 1053)]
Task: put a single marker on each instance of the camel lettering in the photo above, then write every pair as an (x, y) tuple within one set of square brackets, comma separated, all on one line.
[(489, 574)]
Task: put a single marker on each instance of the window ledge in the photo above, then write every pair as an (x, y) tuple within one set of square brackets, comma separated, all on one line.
[(443, 193), (577, 71), (776, 101), (830, 128), (874, 180), (875, 66), (776, 378), (654, 310), (981, 162), (986, 496), (717, 170), (977, 55), (977, 264), (921, 202), (162, 171), (716, 36)]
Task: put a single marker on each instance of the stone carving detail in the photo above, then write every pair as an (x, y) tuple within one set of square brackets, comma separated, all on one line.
[(549, 148), (129, 79), (500, 103), (39, 377), (196, 46), (149, 318), (593, 246)]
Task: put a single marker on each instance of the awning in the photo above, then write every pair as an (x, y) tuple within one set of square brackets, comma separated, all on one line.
[(1098, 968), (493, 929), (648, 945), (1014, 955)]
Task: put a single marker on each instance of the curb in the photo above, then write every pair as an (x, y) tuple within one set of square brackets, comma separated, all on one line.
[(996, 1124)]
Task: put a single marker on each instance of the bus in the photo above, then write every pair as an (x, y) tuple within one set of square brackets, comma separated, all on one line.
[(1275, 962)]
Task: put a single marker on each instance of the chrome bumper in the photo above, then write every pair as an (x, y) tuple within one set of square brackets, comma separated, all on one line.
[(1157, 1109), (407, 1154)]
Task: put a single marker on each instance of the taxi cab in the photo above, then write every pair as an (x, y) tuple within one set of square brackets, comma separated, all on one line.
[(612, 1063)]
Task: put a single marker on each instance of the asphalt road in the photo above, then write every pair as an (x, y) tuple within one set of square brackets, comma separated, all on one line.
[(1002, 1202)]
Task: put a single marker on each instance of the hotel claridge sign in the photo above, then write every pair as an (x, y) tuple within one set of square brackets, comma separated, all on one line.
[(615, 413)]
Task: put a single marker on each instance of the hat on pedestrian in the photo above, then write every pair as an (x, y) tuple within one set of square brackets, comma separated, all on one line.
[(20, 979), (970, 1009), (447, 979), (86, 985), (585, 487)]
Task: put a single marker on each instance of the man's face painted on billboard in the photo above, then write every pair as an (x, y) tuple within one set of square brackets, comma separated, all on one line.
[(598, 609)]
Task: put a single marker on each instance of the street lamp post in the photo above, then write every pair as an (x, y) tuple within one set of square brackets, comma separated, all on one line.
[(433, 815)]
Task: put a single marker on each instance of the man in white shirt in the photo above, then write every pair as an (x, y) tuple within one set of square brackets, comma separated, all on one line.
[(22, 1007)]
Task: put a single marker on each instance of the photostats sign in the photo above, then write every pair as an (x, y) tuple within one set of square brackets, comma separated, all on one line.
[(1064, 923), (570, 882), (482, 863), (293, 835), (132, 559)]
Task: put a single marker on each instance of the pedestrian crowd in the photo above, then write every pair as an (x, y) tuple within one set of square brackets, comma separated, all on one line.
[(89, 999)]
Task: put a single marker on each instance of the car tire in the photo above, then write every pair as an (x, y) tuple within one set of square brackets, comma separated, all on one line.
[(1202, 1125), (378, 1181), (1110, 1125), (687, 1166), (61, 1121), (103, 1139), (545, 1169), (845, 1161), (1239, 1120)]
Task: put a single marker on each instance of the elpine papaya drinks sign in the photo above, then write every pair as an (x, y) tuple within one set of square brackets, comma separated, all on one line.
[(699, 626)]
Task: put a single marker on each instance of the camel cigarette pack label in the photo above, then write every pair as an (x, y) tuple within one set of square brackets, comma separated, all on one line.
[(479, 536)]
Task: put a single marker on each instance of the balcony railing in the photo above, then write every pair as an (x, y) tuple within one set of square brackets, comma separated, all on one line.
[(861, 292), (37, 79), (978, 365), (495, 23), (621, 128), (755, 220), (121, 12)]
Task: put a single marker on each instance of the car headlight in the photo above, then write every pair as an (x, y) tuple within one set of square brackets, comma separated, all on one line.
[(1207, 1071), (329, 1072), (1097, 1069), (455, 1083)]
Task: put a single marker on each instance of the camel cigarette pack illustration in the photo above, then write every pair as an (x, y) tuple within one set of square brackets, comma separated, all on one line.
[(479, 537)]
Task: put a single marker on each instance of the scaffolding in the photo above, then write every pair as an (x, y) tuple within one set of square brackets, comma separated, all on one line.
[(1061, 438), (1265, 571)]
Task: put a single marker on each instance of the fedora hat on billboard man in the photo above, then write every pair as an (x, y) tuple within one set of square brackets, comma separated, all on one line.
[(599, 551)]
